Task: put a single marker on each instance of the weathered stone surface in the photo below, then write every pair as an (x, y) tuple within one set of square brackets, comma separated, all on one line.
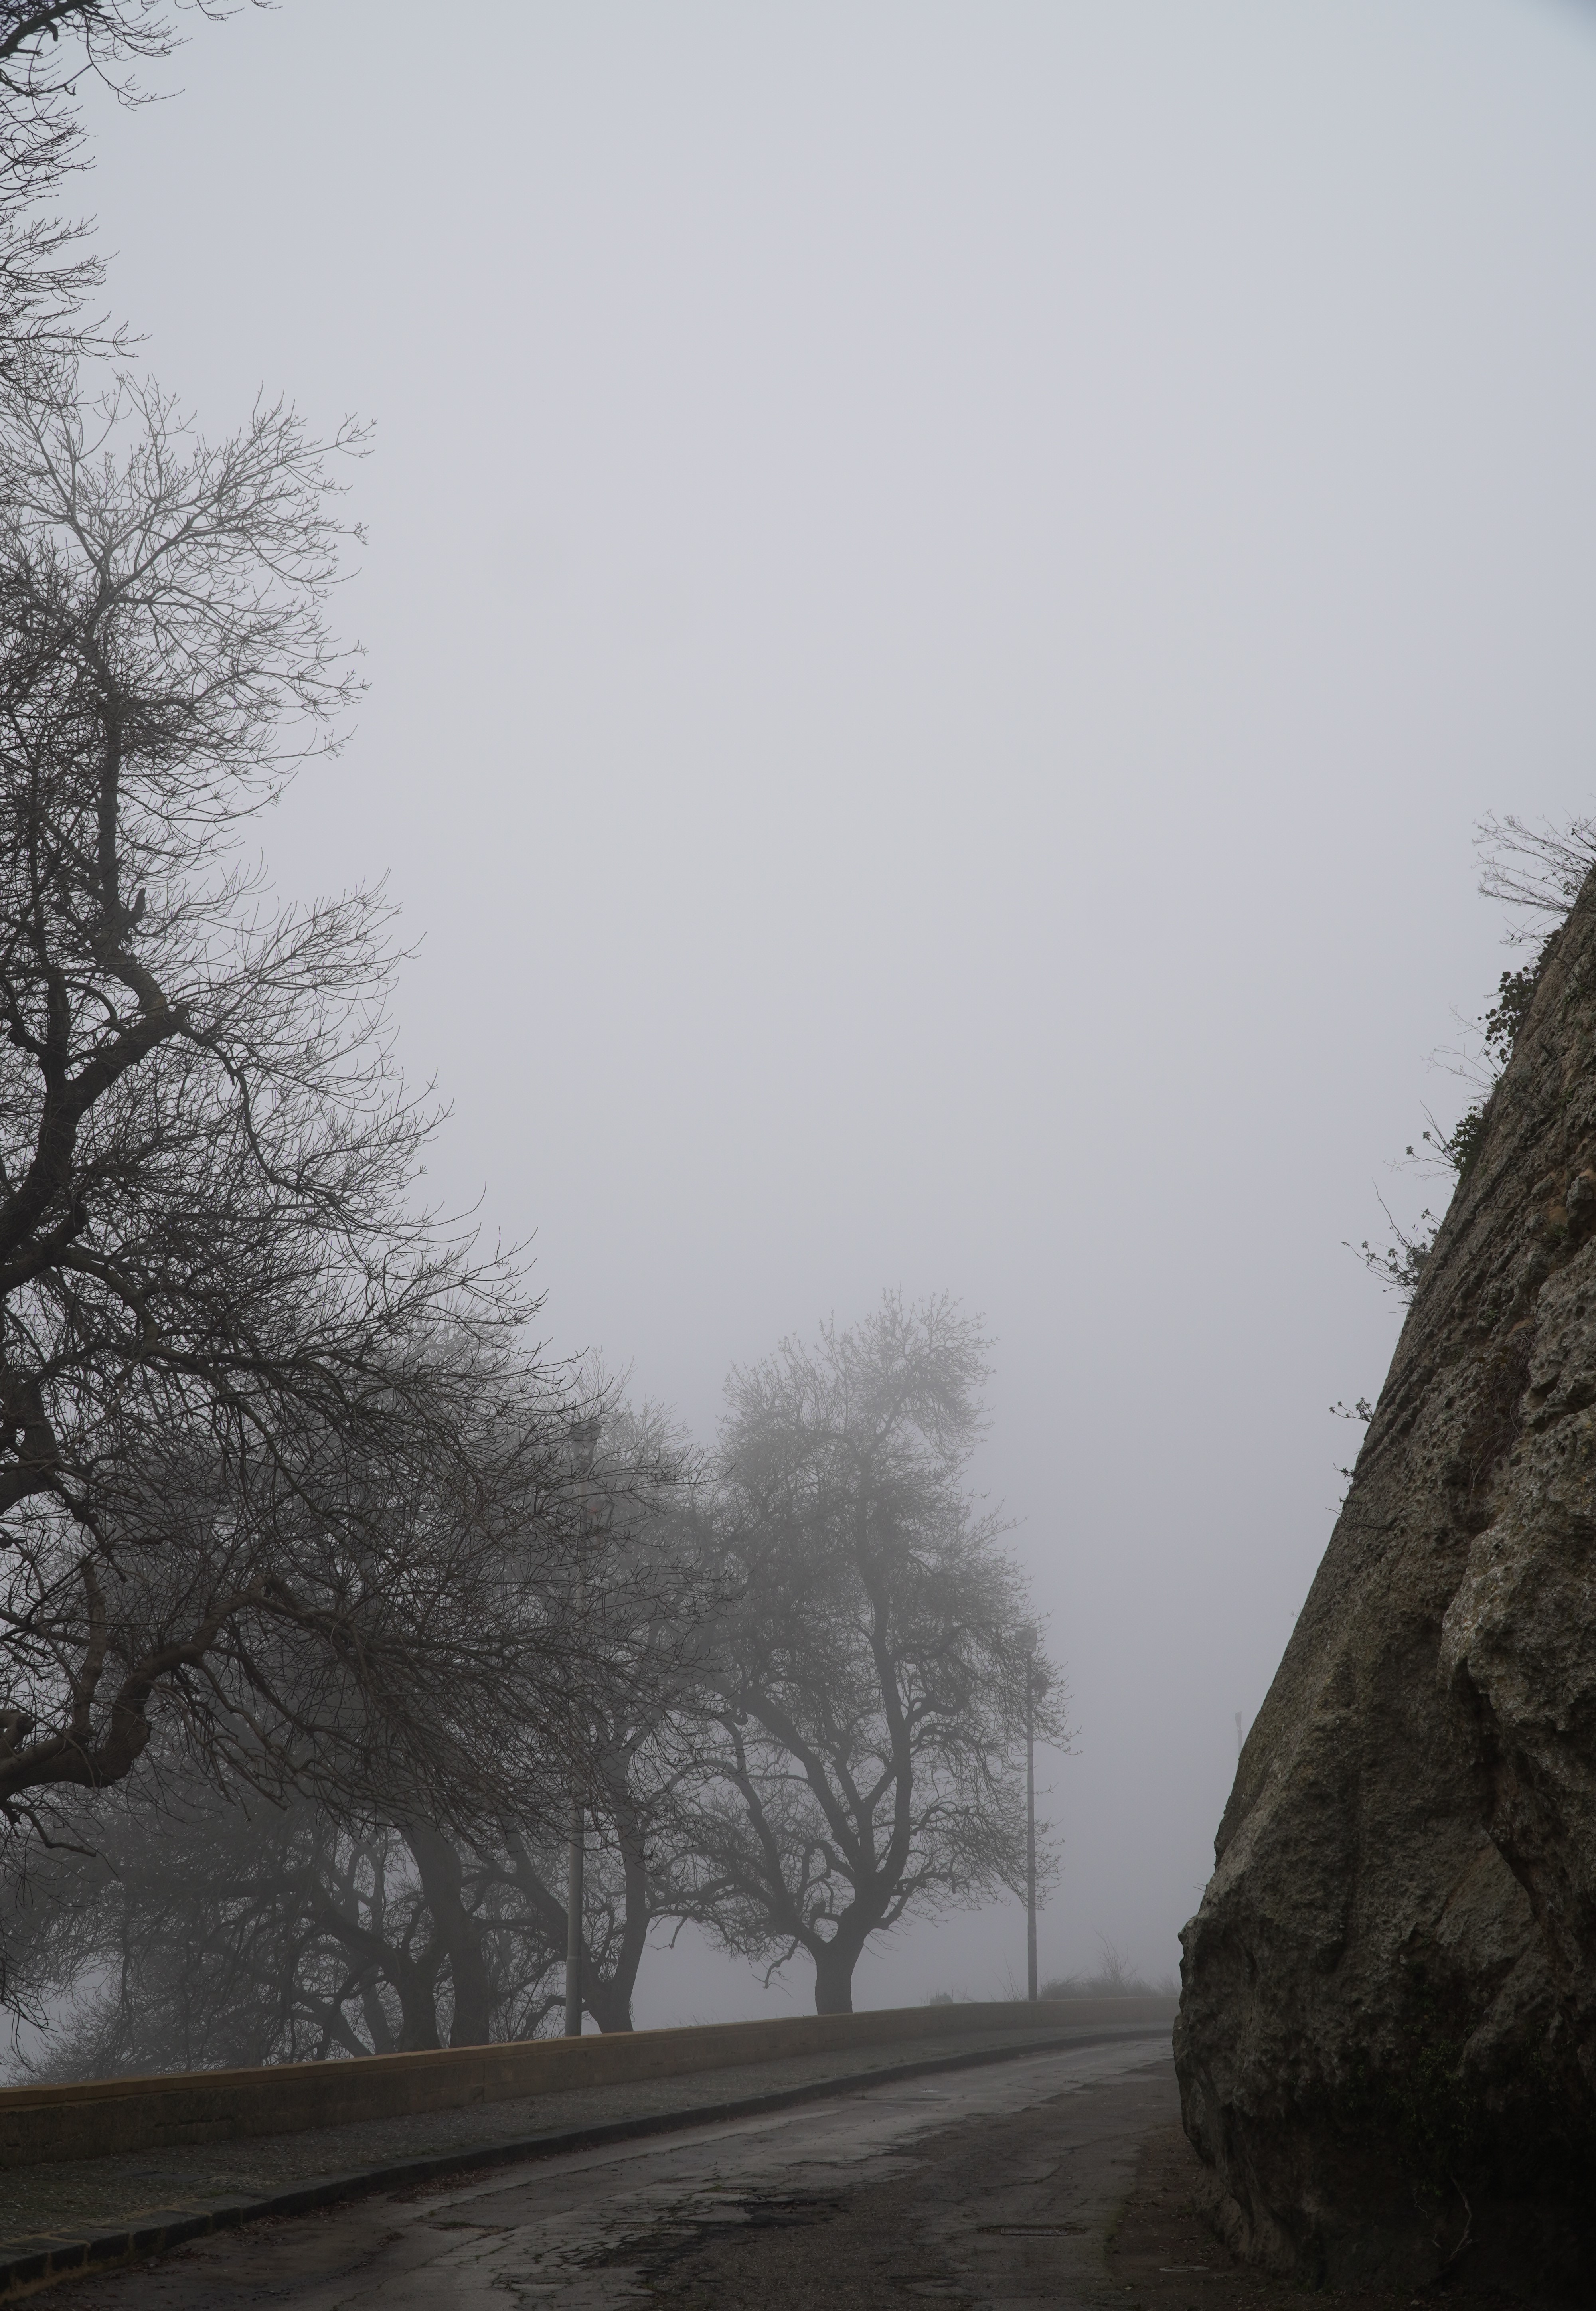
[(1387, 2044)]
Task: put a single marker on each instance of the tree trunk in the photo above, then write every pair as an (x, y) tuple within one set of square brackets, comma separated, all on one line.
[(376, 2022), (606, 1996), (457, 1929), (606, 2002), (611, 2003), (834, 1978), (418, 2008)]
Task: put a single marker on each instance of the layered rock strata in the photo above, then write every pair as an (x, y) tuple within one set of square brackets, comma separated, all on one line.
[(1387, 2042)]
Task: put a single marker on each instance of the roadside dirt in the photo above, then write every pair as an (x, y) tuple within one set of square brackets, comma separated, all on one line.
[(1164, 2256)]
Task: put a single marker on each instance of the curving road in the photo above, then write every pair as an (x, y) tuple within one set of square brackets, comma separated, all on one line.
[(990, 2188)]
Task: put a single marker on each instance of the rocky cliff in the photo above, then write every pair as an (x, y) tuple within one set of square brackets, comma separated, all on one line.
[(1387, 2042)]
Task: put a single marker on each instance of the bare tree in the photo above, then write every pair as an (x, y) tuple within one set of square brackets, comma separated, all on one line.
[(792, 1701), (276, 1479), (202, 1933), (653, 1591), (860, 1723), (48, 49), (264, 1427), (621, 1895), (1541, 870), (422, 1895)]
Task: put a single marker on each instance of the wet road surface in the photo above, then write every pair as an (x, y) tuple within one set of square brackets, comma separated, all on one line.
[(988, 2187)]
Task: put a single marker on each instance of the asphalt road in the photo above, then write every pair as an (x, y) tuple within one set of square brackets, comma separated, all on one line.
[(987, 2187)]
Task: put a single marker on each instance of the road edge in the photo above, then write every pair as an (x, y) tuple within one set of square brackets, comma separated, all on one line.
[(28, 2272)]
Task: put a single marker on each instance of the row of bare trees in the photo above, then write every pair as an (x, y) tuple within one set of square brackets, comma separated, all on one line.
[(787, 1678), (308, 1627)]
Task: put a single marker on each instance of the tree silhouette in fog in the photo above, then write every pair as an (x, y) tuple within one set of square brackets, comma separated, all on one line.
[(862, 1730)]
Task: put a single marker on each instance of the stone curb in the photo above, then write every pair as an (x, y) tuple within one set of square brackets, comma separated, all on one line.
[(25, 2271)]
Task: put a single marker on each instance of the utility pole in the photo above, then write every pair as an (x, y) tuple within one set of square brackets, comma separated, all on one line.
[(1035, 1686), (584, 1443)]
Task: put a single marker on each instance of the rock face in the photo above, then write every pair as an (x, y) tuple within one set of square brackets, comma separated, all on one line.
[(1387, 2043)]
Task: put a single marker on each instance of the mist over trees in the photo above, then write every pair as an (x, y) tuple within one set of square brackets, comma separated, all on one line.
[(857, 1729), (314, 1626), (791, 1702)]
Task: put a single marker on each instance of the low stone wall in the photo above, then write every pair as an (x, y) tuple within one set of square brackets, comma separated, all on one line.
[(105, 2115)]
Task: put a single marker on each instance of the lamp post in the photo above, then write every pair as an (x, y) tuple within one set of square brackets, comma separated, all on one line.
[(1035, 1686), (584, 1443)]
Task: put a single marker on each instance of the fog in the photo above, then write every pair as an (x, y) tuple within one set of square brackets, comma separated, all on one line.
[(945, 588)]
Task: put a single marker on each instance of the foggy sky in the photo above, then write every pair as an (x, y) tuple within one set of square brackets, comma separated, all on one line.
[(946, 586)]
